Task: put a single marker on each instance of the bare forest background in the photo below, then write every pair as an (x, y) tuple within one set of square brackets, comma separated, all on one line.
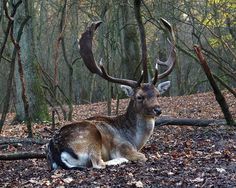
[(39, 57)]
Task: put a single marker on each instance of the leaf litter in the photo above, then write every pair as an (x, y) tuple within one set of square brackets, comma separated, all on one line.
[(178, 156)]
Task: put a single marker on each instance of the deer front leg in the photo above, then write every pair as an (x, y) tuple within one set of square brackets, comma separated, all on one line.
[(97, 162), (130, 153), (96, 156)]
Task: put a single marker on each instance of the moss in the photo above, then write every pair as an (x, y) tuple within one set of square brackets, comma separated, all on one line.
[(39, 109)]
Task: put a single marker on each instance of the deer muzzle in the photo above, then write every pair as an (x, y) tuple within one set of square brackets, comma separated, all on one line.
[(157, 111)]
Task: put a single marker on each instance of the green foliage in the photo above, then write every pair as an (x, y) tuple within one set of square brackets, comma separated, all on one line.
[(215, 19), (217, 43)]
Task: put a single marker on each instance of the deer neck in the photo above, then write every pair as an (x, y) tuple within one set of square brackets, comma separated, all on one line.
[(138, 127)]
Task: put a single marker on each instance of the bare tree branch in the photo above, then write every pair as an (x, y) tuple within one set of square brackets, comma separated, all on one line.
[(218, 95), (225, 85), (10, 23), (12, 70)]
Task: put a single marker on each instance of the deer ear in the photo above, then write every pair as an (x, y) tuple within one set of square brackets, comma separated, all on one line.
[(163, 87), (128, 90)]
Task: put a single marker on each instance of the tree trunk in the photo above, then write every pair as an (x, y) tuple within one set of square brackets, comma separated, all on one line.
[(130, 42), (37, 105), (144, 58), (12, 65)]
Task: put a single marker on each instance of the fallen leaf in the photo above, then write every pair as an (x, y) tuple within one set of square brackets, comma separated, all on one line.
[(138, 184), (68, 180), (170, 173), (57, 175), (198, 180), (221, 170)]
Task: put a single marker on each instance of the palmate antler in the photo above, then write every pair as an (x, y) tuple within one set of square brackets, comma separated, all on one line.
[(86, 53)]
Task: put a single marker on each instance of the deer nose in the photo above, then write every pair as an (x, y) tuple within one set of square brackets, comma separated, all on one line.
[(157, 110)]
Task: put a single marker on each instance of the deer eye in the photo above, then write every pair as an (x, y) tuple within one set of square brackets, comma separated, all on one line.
[(139, 98)]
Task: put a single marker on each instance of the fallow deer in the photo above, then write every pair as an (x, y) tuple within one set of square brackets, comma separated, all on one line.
[(103, 140)]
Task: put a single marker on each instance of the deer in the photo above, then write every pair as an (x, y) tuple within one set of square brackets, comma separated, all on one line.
[(101, 141)]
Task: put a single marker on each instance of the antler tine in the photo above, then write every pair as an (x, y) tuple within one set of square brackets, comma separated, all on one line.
[(140, 79), (155, 78), (170, 62), (169, 27), (86, 53), (85, 49)]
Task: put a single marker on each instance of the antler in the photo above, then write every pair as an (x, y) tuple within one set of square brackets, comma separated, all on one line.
[(170, 62), (86, 53)]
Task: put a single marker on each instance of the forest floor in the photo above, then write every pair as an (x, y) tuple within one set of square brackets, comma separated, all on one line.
[(178, 156)]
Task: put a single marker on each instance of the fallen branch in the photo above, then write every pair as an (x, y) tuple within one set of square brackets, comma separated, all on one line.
[(22, 156), (189, 122), (4, 141)]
